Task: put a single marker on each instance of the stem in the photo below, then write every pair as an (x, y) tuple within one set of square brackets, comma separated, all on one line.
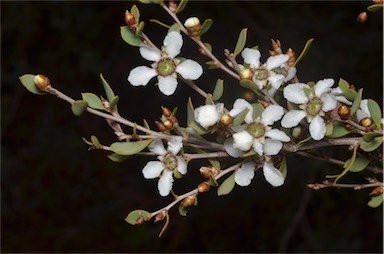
[(324, 143), (205, 155), (191, 84), (327, 184)]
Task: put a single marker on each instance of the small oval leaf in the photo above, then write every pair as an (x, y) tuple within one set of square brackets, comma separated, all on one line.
[(190, 112), (117, 157), (78, 107), (219, 89), (376, 201), (368, 136), (257, 110), (130, 148), (107, 88), (205, 26), (113, 103), (135, 13), (375, 7), (181, 6), (227, 186), (93, 101), (134, 216), (372, 145), (28, 82), (130, 37), (359, 164), (356, 102), (343, 84), (375, 111), (339, 130), (239, 119), (174, 28), (240, 42), (96, 143)]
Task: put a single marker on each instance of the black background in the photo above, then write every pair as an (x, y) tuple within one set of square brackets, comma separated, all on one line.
[(58, 197)]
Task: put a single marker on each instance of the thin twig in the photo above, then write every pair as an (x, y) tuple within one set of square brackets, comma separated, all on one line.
[(353, 141), (328, 184)]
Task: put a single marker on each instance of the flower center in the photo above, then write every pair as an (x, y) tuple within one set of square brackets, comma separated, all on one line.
[(166, 67), (261, 74), (170, 162), (257, 130), (314, 106)]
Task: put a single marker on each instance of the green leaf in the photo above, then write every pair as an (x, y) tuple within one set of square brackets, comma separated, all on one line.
[(137, 214), (215, 163), (205, 26), (356, 102), (96, 143), (227, 186), (375, 7), (349, 166), (145, 1), (219, 89), (212, 65), (174, 28), (360, 164), (240, 42), (160, 23), (372, 145), (181, 6), (376, 201), (28, 82), (209, 46), (198, 128), (130, 148), (375, 111), (113, 103), (146, 125), (249, 84), (239, 119), (182, 210), (107, 88), (212, 181), (350, 94), (368, 136), (257, 110), (343, 84), (283, 168), (135, 13), (78, 107), (190, 112), (209, 100), (140, 28), (117, 157), (93, 101), (130, 37), (304, 51), (339, 130)]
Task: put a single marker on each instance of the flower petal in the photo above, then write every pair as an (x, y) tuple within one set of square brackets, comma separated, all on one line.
[(181, 165), (329, 102), (291, 73), (165, 183), (150, 54), (242, 140), (276, 80), (273, 175), (240, 105), (157, 147), (293, 118), (364, 107), (234, 152), (317, 128), (141, 75), (277, 135), (167, 85), (272, 114), (344, 100), (152, 169), (272, 147), (173, 43), (323, 86), (251, 57), (245, 174), (360, 114), (276, 61), (189, 69), (206, 115), (258, 146), (175, 145), (295, 93)]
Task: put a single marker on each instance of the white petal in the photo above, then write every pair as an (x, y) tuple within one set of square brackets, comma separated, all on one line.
[(329, 102), (295, 93), (323, 86), (242, 140), (165, 183), (245, 174), (252, 57), (364, 107), (276, 61), (276, 80), (173, 43), (272, 147), (278, 135), (175, 145), (150, 54), (140, 76), (152, 169), (258, 147), (291, 73), (360, 114), (344, 100), (272, 114), (167, 85), (234, 152), (181, 165), (240, 105), (273, 175), (317, 128), (157, 147), (189, 69), (206, 115), (293, 118)]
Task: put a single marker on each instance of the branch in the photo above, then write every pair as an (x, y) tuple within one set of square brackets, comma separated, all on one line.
[(327, 184), (354, 141)]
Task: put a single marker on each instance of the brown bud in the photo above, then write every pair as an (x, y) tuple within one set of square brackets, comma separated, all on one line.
[(161, 126), (41, 82), (189, 201), (272, 53), (292, 56), (207, 172), (362, 17), (377, 1), (139, 221), (203, 187), (246, 74), (276, 45), (376, 191), (226, 119), (129, 19), (166, 111), (160, 216), (366, 122), (168, 124), (343, 112), (249, 96)]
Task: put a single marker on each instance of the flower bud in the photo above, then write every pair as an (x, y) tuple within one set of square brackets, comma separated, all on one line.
[(203, 187), (168, 124), (376, 191), (226, 119), (366, 122), (343, 112), (249, 96), (276, 46), (161, 126), (139, 221), (160, 216), (166, 111), (41, 82), (189, 201), (207, 172), (246, 74), (193, 25), (296, 132), (363, 16), (242, 140), (129, 19), (206, 115), (292, 56)]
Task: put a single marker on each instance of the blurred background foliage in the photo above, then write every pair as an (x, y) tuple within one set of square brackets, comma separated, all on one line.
[(59, 197)]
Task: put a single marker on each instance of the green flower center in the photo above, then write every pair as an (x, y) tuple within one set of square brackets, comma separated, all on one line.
[(170, 162), (166, 67), (261, 74), (314, 106), (257, 130)]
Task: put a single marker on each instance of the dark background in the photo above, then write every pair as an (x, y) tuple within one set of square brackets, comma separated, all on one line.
[(58, 197)]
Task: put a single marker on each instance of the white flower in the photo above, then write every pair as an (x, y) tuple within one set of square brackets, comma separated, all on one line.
[(208, 115), (339, 95), (165, 66), (246, 172), (257, 133), (314, 102), (363, 111), (167, 164), (192, 22)]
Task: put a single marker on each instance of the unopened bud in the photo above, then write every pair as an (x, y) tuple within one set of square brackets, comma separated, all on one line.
[(296, 132), (366, 122), (203, 187), (129, 19), (292, 56), (343, 112), (246, 74), (166, 111), (168, 124), (161, 126), (41, 82), (189, 201), (377, 191), (276, 45), (139, 221), (207, 172), (226, 119), (193, 25), (249, 96), (362, 17), (160, 216)]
